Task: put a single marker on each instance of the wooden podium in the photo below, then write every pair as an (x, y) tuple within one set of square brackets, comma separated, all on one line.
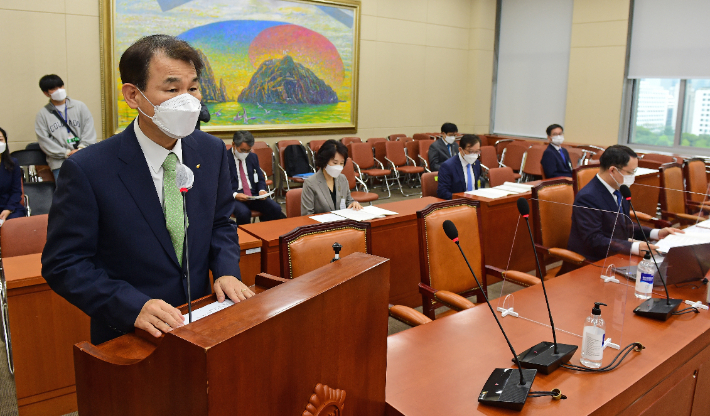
[(306, 347)]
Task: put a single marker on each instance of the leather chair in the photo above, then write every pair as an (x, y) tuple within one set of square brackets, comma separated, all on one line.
[(582, 175), (411, 148), (424, 153), (552, 221), (407, 315), (674, 206), (489, 158), (293, 203), (30, 160), (266, 162), (576, 156), (400, 163), (531, 166), (421, 136), (310, 247), (259, 145), (398, 136), (512, 155), (501, 145), (593, 152), (353, 181), (379, 149), (24, 235), (446, 279), (347, 140), (312, 148), (498, 176), (696, 182), (38, 196), (430, 184), (281, 147), (367, 166)]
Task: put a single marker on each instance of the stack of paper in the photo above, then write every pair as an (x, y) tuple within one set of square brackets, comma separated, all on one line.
[(690, 238), (327, 218), (525, 186), (703, 224), (365, 214), (512, 189), (266, 195), (208, 310), (492, 193)]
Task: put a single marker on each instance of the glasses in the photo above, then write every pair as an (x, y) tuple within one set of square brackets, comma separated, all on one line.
[(625, 172)]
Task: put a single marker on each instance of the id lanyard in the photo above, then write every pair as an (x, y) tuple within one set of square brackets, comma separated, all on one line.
[(66, 115)]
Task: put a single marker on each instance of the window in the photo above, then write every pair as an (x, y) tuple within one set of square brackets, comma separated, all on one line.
[(696, 92)]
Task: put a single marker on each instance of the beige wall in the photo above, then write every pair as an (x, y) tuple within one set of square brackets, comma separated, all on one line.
[(596, 71), (422, 62)]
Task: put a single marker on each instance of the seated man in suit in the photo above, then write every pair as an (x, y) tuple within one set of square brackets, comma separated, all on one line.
[(555, 160), (605, 228), (245, 170), (463, 172), (443, 149), (115, 239)]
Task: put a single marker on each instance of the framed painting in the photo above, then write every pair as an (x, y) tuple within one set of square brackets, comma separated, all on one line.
[(273, 67)]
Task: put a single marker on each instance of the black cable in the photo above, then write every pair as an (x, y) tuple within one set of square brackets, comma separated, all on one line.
[(556, 394), (686, 310), (635, 346)]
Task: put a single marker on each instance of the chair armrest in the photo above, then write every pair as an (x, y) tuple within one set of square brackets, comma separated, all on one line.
[(378, 161), (268, 281), (698, 205), (453, 301), (426, 165), (394, 168), (486, 168), (643, 216), (683, 218), (408, 315), (411, 160), (566, 255), (520, 278), (358, 180)]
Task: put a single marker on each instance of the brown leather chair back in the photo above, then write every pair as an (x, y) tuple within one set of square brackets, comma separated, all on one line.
[(380, 150), (498, 176), (266, 159), (349, 172), (362, 155), (398, 136), (24, 235), (533, 161), (259, 145), (442, 268), (347, 140), (430, 184), (489, 158), (376, 139), (424, 149), (582, 175), (293, 202), (412, 150), (672, 197), (310, 247), (314, 145), (283, 144), (575, 156), (501, 145), (513, 156), (421, 136), (650, 164), (659, 158), (394, 151), (696, 180), (552, 212), (405, 139)]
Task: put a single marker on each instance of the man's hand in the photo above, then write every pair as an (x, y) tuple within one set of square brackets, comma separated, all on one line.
[(241, 197), (157, 316), (4, 214), (72, 152), (356, 206), (665, 232), (262, 192), (643, 247), (232, 288)]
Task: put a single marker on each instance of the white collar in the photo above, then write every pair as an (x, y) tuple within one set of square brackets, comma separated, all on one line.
[(555, 146), (463, 161), (154, 153), (608, 187)]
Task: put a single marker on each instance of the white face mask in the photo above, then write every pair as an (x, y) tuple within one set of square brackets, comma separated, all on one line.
[(59, 95), (628, 179), (241, 156), (177, 116), (558, 140), (471, 159), (450, 139), (3, 146), (334, 170)]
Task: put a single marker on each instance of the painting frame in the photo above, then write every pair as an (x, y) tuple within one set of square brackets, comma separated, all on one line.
[(110, 79)]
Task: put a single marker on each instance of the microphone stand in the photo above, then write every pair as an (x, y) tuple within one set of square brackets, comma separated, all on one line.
[(186, 255)]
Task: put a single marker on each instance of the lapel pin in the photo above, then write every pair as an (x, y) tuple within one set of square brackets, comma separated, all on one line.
[(198, 166)]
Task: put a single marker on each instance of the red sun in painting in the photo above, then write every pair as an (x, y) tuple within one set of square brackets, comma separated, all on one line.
[(309, 48)]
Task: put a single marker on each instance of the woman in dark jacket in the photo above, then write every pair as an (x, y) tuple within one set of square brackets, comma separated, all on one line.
[(10, 183)]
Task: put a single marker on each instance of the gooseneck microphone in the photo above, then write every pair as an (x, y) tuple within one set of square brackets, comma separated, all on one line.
[(659, 309), (184, 178), (499, 389), (545, 357)]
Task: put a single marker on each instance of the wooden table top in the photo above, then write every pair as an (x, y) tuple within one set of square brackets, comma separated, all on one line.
[(499, 201), (440, 367), (247, 241)]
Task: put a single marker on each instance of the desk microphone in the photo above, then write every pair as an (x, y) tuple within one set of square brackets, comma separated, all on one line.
[(654, 308), (184, 178), (545, 357), (501, 389)]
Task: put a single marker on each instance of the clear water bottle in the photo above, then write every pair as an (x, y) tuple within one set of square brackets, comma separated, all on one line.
[(644, 277), (593, 338)]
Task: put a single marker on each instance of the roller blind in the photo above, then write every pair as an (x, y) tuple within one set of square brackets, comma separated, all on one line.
[(670, 39), (533, 62)]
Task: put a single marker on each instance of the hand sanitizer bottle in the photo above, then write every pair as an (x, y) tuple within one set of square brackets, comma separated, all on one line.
[(593, 338), (644, 277)]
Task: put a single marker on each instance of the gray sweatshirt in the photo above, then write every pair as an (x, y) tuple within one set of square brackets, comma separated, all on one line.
[(53, 137)]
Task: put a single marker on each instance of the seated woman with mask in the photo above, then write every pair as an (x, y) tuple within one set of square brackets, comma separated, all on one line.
[(328, 190), (10, 183)]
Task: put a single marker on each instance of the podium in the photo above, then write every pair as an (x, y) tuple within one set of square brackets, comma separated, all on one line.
[(306, 347)]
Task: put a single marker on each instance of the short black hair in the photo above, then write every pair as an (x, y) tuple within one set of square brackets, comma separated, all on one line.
[(327, 151), (243, 136), (449, 128), (617, 155), (5, 156), (552, 127), (469, 139), (136, 59), (50, 82)]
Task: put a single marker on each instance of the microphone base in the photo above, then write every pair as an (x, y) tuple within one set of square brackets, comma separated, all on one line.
[(657, 308), (542, 356), (503, 388)]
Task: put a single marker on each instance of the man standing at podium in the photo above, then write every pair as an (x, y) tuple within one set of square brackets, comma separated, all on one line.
[(115, 240)]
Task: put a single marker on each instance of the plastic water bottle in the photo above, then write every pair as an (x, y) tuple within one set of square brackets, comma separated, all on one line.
[(644, 277), (593, 338)]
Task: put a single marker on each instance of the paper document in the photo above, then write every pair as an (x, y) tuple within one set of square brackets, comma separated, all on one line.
[(361, 215), (327, 218), (690, 238), (513, 189), (378, 211), (208, 310), (645, 171), (704, 224), (525, 186), (266, 195), (490, 193)]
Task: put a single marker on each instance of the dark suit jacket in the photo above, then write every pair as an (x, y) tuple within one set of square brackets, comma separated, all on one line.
[(108, 250), (451, 179), (553, 165), (252, 163), (439, 153), (591, 233), (11, 188)]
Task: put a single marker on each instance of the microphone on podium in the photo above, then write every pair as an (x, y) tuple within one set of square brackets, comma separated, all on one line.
[(502, 388), (184, 179), (654, 308), (545, 356)]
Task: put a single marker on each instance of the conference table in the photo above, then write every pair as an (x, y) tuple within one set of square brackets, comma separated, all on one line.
[(394, 237), (44, 328), (439, 368)]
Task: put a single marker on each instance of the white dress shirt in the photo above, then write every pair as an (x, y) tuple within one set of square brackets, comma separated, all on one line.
[(237, 161), (155, 155), (634, 246), (465, 164)]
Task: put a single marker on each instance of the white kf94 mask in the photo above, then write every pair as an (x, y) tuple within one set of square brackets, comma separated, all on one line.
[(176, 117)]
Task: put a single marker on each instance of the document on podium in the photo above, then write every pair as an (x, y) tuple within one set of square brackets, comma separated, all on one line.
[(690, 238), (491, 193), (208, 310), (365, 214)]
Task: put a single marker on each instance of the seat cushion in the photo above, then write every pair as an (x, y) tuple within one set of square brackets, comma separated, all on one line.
[(410, 169), (377, 172), (364, 196)]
